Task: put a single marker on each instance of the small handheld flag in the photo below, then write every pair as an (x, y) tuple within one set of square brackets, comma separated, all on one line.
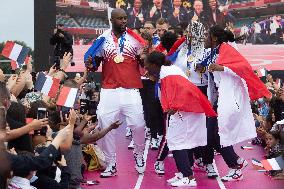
[(273, 164), (67, 97), (247, 147), (47, 85), (15, 52), (256, 162)]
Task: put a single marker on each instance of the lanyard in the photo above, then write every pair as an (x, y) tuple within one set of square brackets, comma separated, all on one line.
[(211, 57), (119, 45), (188, 54)]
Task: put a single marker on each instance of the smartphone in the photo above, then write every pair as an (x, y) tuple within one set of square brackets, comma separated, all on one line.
[(41, 114), (92, 107), (93, 110), (84, 106)]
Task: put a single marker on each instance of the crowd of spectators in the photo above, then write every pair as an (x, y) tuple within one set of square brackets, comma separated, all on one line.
[(269, 116), (34, 148), (265, 31)]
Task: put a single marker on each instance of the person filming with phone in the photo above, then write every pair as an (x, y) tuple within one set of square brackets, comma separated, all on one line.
[(62, 42)]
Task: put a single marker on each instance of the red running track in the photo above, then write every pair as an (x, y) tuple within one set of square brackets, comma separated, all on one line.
[(269, 56), (127, 176)]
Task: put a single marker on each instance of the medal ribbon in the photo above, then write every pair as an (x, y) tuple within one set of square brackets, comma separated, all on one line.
[(207, 61), (119, 45), (188, 54)]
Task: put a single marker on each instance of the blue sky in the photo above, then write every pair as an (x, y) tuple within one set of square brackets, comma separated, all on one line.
[(17, 21)]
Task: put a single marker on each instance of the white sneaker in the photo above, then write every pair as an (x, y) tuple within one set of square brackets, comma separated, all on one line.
[(160, 137), (233, 175), (185, 182), (147, 133), (211, 173), (139, 163), (128, 132), (154, 144), (159, 167), (177, 177), (109, 172), (131, 145), (198, 164), (216, 153), (242, 163)]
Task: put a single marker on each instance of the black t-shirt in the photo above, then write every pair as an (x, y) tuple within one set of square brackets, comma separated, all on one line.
[(16, 119)]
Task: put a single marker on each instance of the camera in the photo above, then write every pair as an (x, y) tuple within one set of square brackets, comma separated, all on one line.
[(41, 114)]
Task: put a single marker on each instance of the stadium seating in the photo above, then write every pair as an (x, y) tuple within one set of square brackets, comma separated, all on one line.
[(66, 20), (91, 22), (81, 21)]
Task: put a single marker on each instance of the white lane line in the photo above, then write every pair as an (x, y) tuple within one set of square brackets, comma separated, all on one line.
[(221, 184), (145, 155)]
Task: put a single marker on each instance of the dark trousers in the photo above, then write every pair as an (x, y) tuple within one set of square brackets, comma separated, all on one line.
[(184, 161), (213, 142), (153, 113), (198, 151)]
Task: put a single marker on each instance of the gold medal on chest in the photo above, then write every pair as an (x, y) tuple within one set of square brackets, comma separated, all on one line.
[(190, 58), (118, 59)]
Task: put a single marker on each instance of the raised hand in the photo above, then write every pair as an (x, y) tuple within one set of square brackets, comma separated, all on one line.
[(116, 124), (66, 60), (37, 124)]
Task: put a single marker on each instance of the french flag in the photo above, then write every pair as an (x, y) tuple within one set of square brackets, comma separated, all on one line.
[(173, 53), (273, 164), (15, 65), (15, 52), (47, 85), (67, 97), (179, 94)]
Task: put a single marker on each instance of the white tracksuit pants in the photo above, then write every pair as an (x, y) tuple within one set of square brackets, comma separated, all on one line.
[(115, 103)]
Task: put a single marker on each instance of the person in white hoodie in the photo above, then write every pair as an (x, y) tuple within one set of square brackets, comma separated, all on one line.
[(234, 86)]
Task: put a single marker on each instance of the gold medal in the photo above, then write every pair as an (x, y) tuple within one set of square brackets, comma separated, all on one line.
[(118, 59), (187, 72), (190, 58), (121, 58)]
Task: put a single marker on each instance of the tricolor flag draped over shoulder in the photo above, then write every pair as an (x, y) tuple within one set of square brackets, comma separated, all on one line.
[(173, 53), (47, 85), (232, 59), (179, 94), (98, 43), (94, 49), (67, 97), (15, 52)]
